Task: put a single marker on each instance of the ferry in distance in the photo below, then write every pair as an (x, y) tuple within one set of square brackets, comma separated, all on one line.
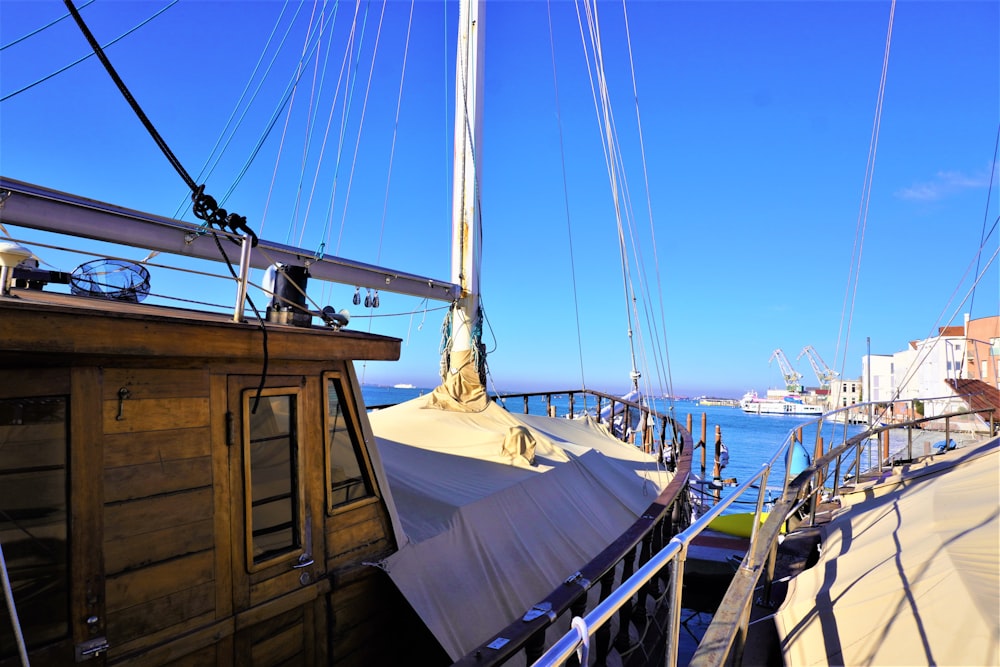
[(778, 402)]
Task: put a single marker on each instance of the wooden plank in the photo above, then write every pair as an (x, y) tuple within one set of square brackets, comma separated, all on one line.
[(34, 381), (163, 618), (60, 332), (353, 605), (86, 493), (176, 642), (221, 498), (144, 383), (154, 414), (285, 645), (140, 481), (142, 550), (357, 535), (146, 584), (155, 446), (276, 624), (275, 586), (138, 517), (281, 605), (373, 551), (204, 657)]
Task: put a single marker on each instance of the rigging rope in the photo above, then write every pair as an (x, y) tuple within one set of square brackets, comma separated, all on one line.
[(613, 160), (45, 27), (986, 213), (282, 103), (862, 223), (284, 134), (569, 224), (345, 114), (81, 59), (313, 95), (361, 124), (205, 206), (206, 171), (663, 371)]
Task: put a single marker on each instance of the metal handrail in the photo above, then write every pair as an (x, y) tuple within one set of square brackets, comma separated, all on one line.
[(731, 620), (674, 553)]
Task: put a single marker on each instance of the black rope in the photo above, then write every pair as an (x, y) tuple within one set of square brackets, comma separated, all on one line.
[(205, 207)]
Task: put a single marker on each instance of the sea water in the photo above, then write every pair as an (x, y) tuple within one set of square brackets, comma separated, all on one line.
[(751, 439)]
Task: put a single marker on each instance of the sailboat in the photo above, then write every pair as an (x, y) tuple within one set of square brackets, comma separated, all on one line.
[(185, 486)]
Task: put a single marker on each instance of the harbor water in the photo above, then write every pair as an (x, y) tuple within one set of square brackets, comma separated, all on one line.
[(751, 439)]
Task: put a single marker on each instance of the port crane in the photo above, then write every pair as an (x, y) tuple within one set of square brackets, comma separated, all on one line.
[(823, 372), (791, 376)]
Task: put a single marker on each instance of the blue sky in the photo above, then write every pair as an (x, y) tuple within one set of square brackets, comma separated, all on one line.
[(756, 119)]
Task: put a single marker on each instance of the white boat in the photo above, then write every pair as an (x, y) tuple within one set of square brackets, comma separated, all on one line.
[(778, 402), (214, 490)]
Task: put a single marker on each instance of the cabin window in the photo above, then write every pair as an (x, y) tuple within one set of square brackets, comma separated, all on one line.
[(33, 525), (349, 476), (272, 474)]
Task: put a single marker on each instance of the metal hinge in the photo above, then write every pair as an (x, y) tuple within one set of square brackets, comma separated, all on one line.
[(91, 648)]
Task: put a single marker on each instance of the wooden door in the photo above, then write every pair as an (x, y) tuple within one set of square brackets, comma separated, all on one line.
[(278, 559), (50, 519)]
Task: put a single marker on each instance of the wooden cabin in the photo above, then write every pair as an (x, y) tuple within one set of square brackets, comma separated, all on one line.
[(177, 489)]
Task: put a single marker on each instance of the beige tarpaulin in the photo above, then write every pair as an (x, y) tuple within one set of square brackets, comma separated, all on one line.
[(910, 576), (489, 533)]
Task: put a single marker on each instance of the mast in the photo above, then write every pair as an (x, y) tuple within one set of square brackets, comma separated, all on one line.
[(468, 133), (465, 254)]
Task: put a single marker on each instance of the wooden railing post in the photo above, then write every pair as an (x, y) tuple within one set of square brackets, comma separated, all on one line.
[(603, 636), (622, 641), (703, 442), (717, 467), (535, 646)]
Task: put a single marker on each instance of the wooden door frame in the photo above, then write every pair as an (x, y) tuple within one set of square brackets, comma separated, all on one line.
[(265, 590)]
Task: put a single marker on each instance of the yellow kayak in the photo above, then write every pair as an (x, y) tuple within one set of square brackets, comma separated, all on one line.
[(738, 525)]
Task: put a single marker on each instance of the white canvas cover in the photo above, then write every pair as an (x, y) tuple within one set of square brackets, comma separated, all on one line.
[(910, 576), (489, 533)]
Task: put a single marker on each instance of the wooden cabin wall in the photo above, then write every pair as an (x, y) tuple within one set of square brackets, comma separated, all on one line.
[(154, 527), (162, 558)]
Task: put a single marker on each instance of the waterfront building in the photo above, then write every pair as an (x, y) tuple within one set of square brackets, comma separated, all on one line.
[(926, 367)]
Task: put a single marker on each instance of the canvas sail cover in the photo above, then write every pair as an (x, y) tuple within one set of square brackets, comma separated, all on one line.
[(499, 508), (908, 576)]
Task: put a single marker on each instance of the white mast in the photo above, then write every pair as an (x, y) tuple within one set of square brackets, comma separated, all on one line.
[(465, 222)]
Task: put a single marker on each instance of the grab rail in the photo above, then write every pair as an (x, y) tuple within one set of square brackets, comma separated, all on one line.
[(729, 626)]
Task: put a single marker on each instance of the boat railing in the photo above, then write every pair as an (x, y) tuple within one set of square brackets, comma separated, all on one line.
[(723, 641), (604, 407), (597, 580), (111, 230)]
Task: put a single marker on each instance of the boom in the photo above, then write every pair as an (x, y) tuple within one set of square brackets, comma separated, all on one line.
[(823, 372), (791, 376)]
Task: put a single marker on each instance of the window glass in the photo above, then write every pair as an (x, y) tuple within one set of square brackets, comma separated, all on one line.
[(33, 526), (348, 475), (272, 481)]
